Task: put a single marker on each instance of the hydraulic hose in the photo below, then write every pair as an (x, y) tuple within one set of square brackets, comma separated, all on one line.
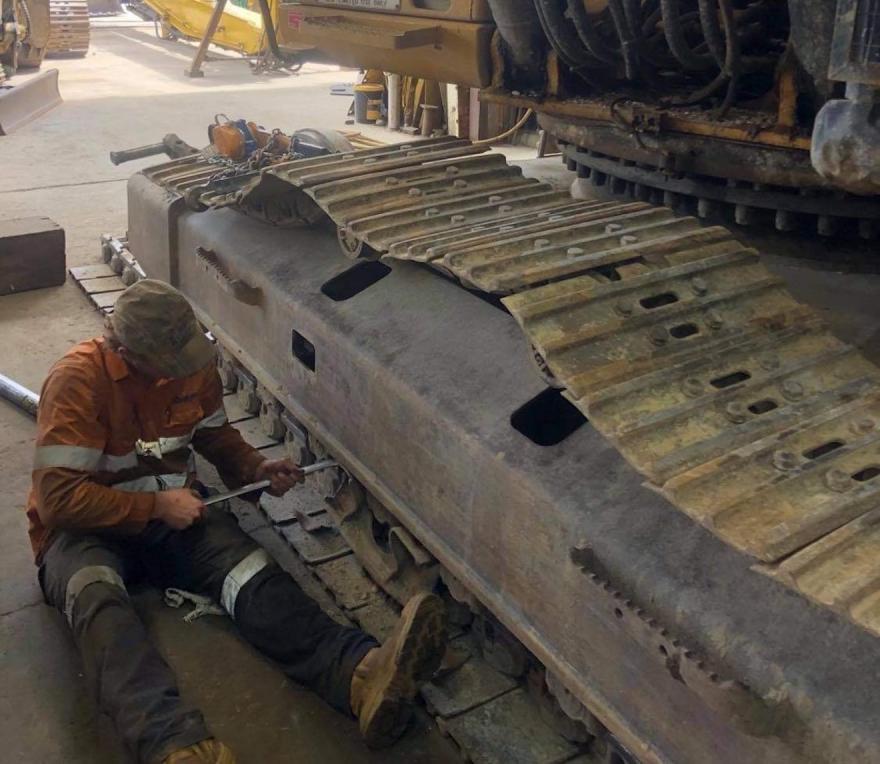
[(633, 11), (519, 26), (628, 44), (712, 30), (510, 131), (589, 35), (730, 72), (564, 40), (675, 38), (650, 40)]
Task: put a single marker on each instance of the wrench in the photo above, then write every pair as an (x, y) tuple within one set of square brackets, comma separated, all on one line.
[(260, 485)]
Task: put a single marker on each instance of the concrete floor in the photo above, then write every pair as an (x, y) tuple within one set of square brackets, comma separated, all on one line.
[(129, 91)]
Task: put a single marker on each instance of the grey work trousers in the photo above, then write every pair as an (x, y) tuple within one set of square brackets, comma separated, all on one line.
[(84, 575)]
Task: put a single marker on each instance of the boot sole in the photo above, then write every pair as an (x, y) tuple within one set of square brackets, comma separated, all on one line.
[(218, 753), (416, 658)]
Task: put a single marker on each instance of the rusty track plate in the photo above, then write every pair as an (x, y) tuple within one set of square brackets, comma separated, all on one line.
[(841, 570), (195, 172), (732, 398), (305, 173)]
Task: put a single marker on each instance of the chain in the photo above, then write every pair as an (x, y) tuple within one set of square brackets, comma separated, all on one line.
[(270, 154)]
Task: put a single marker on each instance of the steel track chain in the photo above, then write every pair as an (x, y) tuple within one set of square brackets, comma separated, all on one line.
[(734, 400)]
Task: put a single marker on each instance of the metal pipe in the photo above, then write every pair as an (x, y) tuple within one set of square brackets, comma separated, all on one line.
[(394, 112), (269, 29), (25, 399), (510, 131), (195, 68)]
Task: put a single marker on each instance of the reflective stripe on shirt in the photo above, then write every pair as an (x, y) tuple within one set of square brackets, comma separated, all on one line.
[(71, 457), (110, 463), (82, 458)]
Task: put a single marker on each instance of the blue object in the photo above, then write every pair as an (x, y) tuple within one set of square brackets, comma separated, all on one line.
[(250, 142)]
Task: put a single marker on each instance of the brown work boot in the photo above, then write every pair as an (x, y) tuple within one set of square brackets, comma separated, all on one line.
[(208, 751), (387, 679)]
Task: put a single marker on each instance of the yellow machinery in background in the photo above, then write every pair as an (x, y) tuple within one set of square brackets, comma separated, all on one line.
[(239, 29), (447, 41), (248, 30), (69, 27), (24, 32), (24, 41)]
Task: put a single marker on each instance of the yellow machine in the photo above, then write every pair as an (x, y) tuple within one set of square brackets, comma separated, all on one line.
[(239, 29), (24, 31), (447, 41), (735, 105), (24, 41)]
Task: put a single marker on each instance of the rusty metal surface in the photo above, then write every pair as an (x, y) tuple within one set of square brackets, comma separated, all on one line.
[(197, 171), (527, 741), (785, 202), (674, 340), (446, 403), (732, 398), (671, 337), (840, 571)]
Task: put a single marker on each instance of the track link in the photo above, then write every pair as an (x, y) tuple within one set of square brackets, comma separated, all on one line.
[(68, 28), (734, 400)]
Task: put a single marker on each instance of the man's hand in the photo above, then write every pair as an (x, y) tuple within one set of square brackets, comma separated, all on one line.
[(283, 473), (178, 508)]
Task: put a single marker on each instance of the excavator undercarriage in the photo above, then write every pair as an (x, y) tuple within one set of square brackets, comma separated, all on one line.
[(609, 428), (488, 423)]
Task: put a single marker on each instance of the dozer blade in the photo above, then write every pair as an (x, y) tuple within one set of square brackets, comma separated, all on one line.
[(19, 104)]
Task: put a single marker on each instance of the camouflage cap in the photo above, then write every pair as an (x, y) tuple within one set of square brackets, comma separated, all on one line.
[(155, 322)]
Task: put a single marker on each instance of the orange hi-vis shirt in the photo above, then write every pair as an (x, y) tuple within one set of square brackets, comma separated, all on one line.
[(107, 441)]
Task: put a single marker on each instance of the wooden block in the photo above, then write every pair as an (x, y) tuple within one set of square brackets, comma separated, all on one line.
[(99, 270), (105, 300), (102, 284), (31, 254)]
